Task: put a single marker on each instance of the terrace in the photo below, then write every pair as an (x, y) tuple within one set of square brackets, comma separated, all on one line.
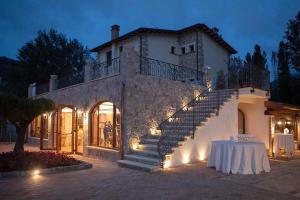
[(240, 77)]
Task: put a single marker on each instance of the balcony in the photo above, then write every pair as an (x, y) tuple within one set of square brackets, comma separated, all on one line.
[(169, 71), (105, 69)]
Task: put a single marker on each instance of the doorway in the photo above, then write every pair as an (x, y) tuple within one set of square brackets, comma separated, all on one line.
[(67, 131)]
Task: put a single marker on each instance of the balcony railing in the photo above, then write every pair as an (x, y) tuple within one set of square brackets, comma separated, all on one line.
[(244, 76), (101, 70), (71, 79), (249, 76), (157, 68), (42, 88)]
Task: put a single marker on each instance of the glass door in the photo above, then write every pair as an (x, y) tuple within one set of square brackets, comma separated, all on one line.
[(78, 133)]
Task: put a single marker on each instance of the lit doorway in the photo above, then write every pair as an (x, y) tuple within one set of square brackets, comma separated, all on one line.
[(67, 131)]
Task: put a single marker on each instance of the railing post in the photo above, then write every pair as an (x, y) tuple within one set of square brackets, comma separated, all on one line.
[(52, 83)]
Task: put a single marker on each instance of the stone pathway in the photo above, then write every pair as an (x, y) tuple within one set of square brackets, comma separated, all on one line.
[(106, 180)]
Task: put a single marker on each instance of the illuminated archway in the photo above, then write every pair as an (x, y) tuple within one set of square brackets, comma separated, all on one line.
[(105, 126)]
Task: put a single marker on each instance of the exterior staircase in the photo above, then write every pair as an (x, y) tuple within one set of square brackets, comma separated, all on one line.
[(153, 149)]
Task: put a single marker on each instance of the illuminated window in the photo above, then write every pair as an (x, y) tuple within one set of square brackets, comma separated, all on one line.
[(39, 124), (105, 123)]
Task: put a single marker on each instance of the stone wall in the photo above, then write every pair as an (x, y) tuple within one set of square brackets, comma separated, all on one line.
[(84, 96), (147, 100), (189, 59)]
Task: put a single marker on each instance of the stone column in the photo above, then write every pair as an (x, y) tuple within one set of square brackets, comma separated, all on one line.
[(87, 71), (52, 83), (33, 89)]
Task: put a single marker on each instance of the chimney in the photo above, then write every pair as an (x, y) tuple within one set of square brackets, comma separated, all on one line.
[(115, 31)]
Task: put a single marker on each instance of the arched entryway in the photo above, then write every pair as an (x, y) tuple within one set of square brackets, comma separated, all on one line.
[(66, 130), (105, 123)]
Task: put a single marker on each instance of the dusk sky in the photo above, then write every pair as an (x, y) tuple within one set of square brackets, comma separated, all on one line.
[(242, 23)]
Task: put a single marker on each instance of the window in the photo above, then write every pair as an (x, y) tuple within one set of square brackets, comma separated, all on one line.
[(106, 126), (121, 48), (173, 49), (192, 49), (38, 126), (108, 58), (182, 50)]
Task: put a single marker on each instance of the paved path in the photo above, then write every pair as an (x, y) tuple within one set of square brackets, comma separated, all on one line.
[(106, 180)]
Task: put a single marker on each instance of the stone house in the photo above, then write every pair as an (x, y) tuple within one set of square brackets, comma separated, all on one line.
[(149, 100)]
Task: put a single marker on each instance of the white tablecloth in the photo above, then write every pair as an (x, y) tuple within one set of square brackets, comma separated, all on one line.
[(283, 141), (239, 157)]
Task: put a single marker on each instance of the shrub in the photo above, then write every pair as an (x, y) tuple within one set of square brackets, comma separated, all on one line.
[(10, 161)]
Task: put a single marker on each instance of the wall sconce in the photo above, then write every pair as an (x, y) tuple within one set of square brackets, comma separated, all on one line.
[(279, 123)]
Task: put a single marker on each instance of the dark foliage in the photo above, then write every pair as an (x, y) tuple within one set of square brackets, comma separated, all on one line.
[(10, 161), (292, 36), (283, 74), (52, 53), (20, 112)]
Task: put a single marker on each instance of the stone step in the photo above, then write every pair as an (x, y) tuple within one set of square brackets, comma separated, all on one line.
[(151, 147), (142, 159), (152, 137), (138, 166), (150, 141), (146, 153)]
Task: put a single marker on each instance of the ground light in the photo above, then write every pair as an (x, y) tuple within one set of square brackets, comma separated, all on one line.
[(36, 172)]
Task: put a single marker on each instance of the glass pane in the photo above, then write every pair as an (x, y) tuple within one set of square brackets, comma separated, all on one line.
[(79, 133), (66, 129), (102, 126)]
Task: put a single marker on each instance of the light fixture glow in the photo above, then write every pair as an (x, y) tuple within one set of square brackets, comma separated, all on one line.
[(186, 158), (36, 172), (153, 131)]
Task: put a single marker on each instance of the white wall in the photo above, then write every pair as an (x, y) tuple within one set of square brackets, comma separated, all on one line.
[(256, 122), (215, 56), (220, 127)]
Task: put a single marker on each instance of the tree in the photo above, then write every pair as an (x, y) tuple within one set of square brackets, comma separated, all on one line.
[(51, 53), (248, 58), (221, 80), (292, 36), (20, 112), (259, 58), (283, 73)]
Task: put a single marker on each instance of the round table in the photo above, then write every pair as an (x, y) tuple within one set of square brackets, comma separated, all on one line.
[(283, 141), (247, 157)]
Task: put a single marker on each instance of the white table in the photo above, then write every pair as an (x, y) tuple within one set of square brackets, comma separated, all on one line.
[(239, 157), (283, 141)]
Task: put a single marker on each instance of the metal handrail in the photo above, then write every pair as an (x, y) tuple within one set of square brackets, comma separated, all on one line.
[(105, 69), (42, 88), (210, 103), (70, 79), (170, 71)]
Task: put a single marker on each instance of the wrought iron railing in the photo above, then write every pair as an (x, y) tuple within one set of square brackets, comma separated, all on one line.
[(248, 76), (42, 88), (71, 79), (184, 121), (101, 70), (157, 68)]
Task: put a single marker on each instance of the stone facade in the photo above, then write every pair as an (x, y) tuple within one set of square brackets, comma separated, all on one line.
[(147, 101)]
